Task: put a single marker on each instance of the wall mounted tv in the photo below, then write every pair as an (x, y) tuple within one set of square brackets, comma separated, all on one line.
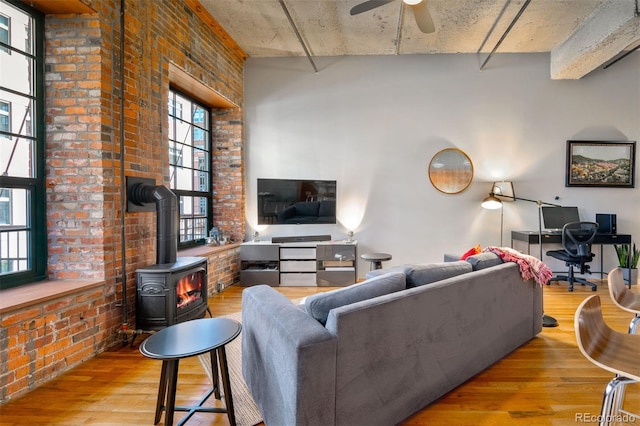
[(296, 201)]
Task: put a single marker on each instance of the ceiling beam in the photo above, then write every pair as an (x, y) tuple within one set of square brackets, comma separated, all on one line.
[(612, 28)]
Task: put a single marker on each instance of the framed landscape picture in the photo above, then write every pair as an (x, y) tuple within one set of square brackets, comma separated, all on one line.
[(601, 164)]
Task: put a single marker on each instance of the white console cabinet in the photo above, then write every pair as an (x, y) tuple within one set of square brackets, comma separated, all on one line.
[(312, 263)]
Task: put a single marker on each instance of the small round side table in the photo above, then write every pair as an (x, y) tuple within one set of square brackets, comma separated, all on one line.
[(376, 259), (184, 340)]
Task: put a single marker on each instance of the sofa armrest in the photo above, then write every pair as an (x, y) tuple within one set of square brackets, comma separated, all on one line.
[(287, 213), (288, 360)]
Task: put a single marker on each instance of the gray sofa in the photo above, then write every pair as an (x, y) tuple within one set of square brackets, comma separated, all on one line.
[(309, 212), (378, 351)]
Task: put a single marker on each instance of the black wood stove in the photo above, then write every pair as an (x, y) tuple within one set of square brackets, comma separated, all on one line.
[(175, 288)]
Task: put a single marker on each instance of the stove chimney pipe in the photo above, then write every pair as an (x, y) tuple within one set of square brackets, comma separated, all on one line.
[(166, 220)]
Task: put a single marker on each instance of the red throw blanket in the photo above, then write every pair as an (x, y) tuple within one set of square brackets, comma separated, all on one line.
[(530, 267)]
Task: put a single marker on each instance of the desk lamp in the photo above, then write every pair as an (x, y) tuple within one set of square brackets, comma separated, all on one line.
[(503, 191)]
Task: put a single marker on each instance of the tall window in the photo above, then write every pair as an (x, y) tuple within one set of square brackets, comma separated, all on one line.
[(5, 23), (23, 241), (190, 166)]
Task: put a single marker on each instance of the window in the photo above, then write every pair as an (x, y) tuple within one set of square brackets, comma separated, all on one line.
[(190, 166), (5, 117), (23, 240), (5, 31)]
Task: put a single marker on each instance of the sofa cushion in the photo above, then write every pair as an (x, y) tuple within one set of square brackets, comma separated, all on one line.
[(327, 208), (309, 208), (418, 275), (319, 305), (484, 260)]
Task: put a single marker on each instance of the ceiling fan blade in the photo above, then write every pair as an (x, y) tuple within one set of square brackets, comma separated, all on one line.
[(423, 17), (368, 5)]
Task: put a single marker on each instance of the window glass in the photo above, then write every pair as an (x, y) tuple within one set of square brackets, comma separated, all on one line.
[(5, 23), (23, 239), (14, 240), (190, 165)]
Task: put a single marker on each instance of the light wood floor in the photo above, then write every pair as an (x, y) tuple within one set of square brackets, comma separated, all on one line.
[(545, 382)]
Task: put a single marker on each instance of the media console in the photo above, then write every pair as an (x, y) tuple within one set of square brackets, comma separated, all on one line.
[(299, 261)]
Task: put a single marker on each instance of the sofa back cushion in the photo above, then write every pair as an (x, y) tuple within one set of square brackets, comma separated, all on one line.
[(418, 275), (308, 208), (327, 208), (319, 305), (484, 260)]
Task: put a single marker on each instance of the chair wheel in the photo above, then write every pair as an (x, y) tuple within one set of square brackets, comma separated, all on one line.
[(594, 288)]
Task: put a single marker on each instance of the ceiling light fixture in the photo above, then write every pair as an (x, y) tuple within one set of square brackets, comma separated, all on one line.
[(420, 11)]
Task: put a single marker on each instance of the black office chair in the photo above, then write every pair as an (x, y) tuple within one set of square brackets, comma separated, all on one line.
[(576, 251)]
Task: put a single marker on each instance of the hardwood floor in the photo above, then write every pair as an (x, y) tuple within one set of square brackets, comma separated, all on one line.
[(545, 382)]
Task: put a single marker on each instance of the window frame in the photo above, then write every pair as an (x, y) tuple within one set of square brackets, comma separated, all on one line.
[(8, 30), (7, 114), (37, 251), (175, 113)]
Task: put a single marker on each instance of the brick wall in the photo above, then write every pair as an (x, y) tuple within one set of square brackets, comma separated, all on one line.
[(223, 269), (85, 169), (80, 173), (47, 339), (228, 173)]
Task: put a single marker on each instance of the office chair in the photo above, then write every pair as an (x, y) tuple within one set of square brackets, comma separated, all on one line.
[(576, 251)]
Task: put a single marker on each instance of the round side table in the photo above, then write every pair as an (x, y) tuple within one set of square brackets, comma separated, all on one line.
[(184, 340), (376, 259)]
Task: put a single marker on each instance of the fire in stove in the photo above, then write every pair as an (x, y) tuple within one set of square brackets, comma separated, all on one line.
[(189, 289), (171, 293)]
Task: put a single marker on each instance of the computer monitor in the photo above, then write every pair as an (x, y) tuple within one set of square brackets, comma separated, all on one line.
[(554, 218)]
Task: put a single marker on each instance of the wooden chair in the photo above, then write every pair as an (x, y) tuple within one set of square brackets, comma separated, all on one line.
[(624, 298), (628, 301), (610, 350)]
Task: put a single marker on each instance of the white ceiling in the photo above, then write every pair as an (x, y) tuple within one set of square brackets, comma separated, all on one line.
[(594, 30)]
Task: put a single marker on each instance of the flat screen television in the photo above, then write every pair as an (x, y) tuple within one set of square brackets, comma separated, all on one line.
[(555, 218), (296, 201)]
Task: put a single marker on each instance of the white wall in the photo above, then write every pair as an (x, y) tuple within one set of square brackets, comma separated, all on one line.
[(374, 123)]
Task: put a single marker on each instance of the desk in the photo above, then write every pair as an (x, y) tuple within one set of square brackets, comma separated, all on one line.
[(531, 237), (184, 340)]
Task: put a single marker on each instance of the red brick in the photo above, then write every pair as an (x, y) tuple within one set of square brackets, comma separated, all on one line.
[(82, 142)]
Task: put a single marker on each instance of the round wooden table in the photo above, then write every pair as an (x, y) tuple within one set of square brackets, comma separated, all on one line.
[(185, 340)]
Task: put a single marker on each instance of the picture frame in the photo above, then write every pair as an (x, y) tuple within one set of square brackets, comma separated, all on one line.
[(601, 164)]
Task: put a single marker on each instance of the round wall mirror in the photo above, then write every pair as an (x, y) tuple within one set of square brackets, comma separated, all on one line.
[(450, 171)]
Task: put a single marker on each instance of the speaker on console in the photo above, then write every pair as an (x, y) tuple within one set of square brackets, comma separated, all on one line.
[(607, 223)]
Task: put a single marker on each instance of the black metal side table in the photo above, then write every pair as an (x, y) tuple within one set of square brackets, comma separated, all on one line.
[(185, 340)]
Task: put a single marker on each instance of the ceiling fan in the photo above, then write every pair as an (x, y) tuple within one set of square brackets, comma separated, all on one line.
[(420, 11)]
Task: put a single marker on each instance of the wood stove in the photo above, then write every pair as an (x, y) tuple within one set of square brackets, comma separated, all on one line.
[(175, 288), (171, 293)]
